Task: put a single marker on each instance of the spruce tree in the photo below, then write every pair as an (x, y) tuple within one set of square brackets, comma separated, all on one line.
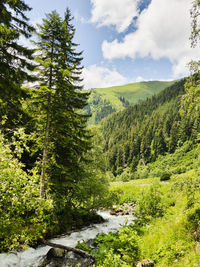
[(65, 140), (15, 59)]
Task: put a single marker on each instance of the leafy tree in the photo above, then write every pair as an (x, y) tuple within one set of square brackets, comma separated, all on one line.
[(24, 218), (195, 14), (190, 106)]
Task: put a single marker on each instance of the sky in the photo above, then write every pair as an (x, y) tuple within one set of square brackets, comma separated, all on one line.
[(127, 41)]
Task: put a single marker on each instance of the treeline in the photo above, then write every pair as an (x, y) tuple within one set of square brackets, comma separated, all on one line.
[(50, 175), (99, 108), (151, 128)]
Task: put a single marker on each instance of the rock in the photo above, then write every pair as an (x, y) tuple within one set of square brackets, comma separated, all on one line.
[(55, 253), (90, 243), (119, 210), (68, 262), (146, 263), (125, 209), (196, 236), (113, 212)]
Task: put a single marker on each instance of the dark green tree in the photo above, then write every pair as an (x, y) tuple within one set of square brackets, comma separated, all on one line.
[(63, 137), (15, 59)]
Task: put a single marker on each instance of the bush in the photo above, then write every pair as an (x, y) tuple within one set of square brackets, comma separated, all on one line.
[(149, 204), (142, 172), (121, 247), (193, 217), (125, 176), (165, 176)]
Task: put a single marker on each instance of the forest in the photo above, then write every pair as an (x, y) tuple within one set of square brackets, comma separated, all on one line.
[(58, 167), (50, 179)]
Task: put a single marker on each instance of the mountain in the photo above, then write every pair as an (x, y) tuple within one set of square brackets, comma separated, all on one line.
[(140, 133), (104, 101)]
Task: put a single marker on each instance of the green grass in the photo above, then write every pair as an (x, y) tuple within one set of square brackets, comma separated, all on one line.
[(129, 191), (168, 240), (133, 93)]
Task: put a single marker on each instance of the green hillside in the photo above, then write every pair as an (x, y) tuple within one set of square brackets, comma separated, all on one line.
[(140, 133), (104, 101)]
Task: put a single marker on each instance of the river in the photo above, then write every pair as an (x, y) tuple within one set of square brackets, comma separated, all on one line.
[(34, 257)]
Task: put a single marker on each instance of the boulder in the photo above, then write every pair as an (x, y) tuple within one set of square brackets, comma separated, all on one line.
[(196, 236), (125, 209), (55, 253), (113, 212), (146, 263), (119, 210)]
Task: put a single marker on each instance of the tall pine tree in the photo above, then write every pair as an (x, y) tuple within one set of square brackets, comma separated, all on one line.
[(63, 138), (15, 59)]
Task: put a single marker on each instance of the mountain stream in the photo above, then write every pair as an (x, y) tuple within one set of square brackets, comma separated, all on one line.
[(34, 257)]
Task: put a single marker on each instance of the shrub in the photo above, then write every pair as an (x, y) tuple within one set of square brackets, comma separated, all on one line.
[(165, 176), (193, 217), (121, 247), (149, 204)]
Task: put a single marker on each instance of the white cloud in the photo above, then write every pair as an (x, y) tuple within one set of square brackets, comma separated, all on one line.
[(80, 18), (139, 79), (114, 12), (99, 77), (163, 31)]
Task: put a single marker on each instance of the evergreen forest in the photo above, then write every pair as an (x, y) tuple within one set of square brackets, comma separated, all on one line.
[(66, 152)]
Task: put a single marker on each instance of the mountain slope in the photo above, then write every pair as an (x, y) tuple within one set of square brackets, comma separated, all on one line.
[(140, 133), (104, 101)]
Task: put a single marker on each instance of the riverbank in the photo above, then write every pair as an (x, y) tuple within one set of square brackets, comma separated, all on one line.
[(35, 257), (166, 231)]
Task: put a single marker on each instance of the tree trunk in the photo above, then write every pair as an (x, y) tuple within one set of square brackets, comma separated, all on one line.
[(46, 140), (75, 250), (45, 152)]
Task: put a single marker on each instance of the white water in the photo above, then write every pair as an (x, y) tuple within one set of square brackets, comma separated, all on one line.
[(34, 257)]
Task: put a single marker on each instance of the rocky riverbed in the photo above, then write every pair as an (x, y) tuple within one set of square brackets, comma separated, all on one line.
[(38, 257), (125, 209)]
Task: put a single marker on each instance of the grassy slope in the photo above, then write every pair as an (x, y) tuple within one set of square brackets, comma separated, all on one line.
[(133, 92), (168, 240)]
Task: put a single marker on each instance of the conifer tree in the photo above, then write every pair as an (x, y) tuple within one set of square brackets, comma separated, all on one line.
[(65, 138), (15, 59)]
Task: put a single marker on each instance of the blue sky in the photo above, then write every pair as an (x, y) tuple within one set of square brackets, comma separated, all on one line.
[(127, 41)]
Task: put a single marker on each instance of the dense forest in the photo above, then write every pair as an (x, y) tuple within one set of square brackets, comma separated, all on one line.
[(146, 130), (49, 175)]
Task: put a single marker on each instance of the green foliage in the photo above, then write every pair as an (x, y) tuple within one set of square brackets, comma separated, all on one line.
[(114, 258), (149, 204), (124, 243), (61, 125), (142, 171), (190, 184), (15, 61), (193, 218), (83, 246), (24, 217), (62, 178), (141, 133), (124, 175), (165, 176)]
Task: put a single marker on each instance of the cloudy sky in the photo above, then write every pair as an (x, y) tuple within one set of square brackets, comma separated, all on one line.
[(127, 41)]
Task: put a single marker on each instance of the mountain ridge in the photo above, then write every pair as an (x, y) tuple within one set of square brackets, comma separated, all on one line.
[(104, 101)]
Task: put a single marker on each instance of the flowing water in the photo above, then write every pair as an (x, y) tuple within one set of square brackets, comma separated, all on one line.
[(33, 257)]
